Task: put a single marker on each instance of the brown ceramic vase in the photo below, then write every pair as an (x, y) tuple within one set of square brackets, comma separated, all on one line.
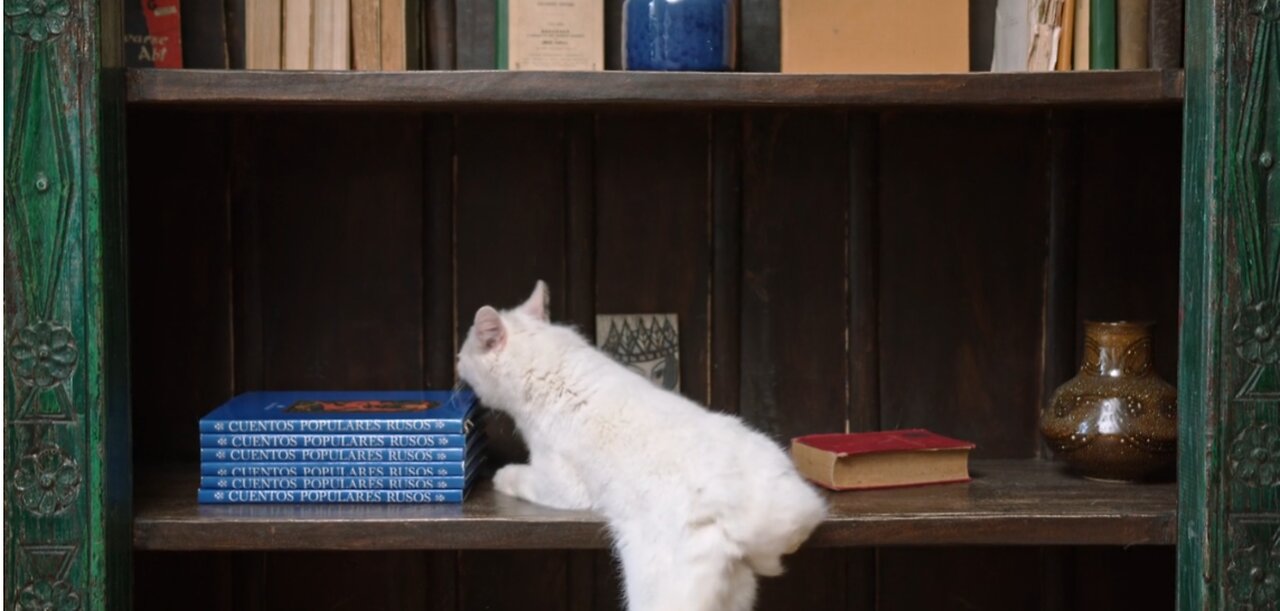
[(1116, 420)]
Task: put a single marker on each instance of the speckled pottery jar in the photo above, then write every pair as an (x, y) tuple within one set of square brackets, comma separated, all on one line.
[(698, 35), (1116, 420)]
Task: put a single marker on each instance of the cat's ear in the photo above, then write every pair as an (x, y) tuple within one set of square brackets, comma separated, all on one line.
[(538, 305), (489, 329)]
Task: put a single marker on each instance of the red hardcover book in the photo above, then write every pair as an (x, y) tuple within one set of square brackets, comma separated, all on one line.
[(885, 459)]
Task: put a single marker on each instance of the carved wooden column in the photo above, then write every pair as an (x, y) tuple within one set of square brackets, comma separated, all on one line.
[(1229, 511), (67, 469)]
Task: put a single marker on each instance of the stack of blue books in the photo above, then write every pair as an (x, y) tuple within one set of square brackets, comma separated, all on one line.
[(341, 447)]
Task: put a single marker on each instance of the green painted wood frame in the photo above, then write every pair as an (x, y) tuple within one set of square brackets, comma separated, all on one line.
[(67, 472), (1229, 497)]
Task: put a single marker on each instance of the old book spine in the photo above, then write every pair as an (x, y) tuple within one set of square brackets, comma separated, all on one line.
[(272, 440), (287, 455), (366, 34), (394, 26), (297, 35), (262, 34), (503, 34), (204, 34), (1102, 35), (476, 43), (1165, 37), (234, 17), (1067, 39), (330, 496), (215, 482), (331, 35), (1080, 46), (337, 469), (1132, 25)]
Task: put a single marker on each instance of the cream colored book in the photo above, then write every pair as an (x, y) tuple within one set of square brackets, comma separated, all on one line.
[(1080, 48), (366, 34), (394, 22), (331, 35), (262, 34), (297, 35), (562, 35)]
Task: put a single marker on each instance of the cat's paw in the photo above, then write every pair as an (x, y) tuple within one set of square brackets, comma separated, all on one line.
[(508, 480)]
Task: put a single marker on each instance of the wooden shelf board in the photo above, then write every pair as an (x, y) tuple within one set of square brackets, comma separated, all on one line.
[(1009, 502), (470, 90)]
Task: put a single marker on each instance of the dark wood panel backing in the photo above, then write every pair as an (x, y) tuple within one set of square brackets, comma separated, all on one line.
[(1060, 317), (509, 223), (608, 579), (513, 581), (991, 578), (1130, 216), (963, 231), (863, 251), (794, 305), (726, 260), (1119, 578), (345, 581), (579, 306), (863, 248), (438, 315), (328, 213), (437, 252), (338, 201), (510, 219), (164, 581), (180, 283), (652, 250), (246, 265)]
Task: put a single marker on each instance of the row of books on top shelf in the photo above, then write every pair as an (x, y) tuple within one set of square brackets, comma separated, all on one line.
[(1039, 35), (815, 36), (341, 447)]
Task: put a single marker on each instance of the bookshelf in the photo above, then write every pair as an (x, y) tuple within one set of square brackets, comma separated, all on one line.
[(958, 226), (872, 251)]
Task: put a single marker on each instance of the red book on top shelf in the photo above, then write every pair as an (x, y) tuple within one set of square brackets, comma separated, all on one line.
[(884, 459)]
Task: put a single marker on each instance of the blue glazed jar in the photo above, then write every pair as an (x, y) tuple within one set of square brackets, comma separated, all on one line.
[(679, 35)]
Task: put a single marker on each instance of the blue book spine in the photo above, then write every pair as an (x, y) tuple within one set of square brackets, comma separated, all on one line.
[(330, 496), (398, 440), (332, 483), (333, 455), (349, 426), (334, 469)]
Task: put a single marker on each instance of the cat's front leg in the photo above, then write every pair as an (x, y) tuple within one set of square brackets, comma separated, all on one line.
[(544, 485)]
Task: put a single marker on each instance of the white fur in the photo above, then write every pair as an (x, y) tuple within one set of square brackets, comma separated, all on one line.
[(697, 502)]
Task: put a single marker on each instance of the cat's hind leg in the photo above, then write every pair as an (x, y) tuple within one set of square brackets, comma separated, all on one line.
[(741, 592), (689, 570)]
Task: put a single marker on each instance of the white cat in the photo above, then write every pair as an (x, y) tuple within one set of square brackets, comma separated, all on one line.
[(697, 503)]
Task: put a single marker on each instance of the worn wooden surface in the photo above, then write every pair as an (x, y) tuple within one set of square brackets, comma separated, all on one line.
[(1008, 502), (512, 89)]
